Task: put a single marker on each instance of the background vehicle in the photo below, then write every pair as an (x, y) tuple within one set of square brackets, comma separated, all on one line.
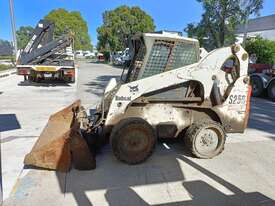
[(166, 91), (100, 57), (79, 54), (89, 54), (262, 80), (121, 57), (45, 57)]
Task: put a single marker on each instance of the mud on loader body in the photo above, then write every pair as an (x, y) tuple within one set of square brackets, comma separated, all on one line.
[(169, 90)]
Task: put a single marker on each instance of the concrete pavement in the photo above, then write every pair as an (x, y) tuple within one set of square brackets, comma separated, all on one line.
[(6, 73), (24, 111), (242, 175), (25, 108)]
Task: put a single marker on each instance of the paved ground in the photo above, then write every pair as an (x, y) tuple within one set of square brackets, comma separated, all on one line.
[(24, 112), (242, 175), (25, 109)]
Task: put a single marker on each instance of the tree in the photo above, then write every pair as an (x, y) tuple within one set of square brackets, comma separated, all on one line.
[(219, 20), (71, 22), (23, 36), (263, 49), (119, 24)]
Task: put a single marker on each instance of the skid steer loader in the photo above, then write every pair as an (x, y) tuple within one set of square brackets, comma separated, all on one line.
[(166, 90)]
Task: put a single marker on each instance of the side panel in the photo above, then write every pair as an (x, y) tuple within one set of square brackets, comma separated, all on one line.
[(159, 114), (235, 110), (168, 118)]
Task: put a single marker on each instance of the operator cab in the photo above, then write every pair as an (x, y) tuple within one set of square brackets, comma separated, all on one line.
[(154, 53)]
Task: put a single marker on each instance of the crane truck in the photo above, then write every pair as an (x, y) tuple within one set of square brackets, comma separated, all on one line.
[(45, 57)]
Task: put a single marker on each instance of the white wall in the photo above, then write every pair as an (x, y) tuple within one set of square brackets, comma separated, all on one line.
[(267, 34)]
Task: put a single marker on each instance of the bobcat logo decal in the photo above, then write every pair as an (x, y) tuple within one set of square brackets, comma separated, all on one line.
[(133, 88)]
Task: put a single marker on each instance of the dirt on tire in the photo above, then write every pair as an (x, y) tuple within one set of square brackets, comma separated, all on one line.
[(133, 140), (192, 133)]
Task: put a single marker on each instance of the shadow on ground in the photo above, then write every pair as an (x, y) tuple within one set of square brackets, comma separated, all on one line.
[(262, 115), (47, 83), (8, 122), (202, 194), (120, 182), (98, 85)]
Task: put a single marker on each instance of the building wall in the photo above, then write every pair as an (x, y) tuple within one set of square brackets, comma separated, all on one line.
[(267, 34)]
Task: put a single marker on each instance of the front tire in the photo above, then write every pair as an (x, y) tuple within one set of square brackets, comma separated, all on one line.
[(271, 90), (133, 140), (205, 140)]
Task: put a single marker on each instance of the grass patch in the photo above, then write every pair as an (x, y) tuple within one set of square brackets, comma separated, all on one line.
[(5, 67)]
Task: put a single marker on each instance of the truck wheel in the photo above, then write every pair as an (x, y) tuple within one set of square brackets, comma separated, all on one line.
[(72, 80), (205, 140), (271, 90), (257, 86), (69, 79), (133, 140)]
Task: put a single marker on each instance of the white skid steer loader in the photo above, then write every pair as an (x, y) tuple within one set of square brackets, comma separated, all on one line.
[(167, 90)]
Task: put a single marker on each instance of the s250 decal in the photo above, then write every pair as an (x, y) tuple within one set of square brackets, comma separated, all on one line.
[(237, 99)]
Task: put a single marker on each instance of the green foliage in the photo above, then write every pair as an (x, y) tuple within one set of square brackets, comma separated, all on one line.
[(219, 20), (196, 31), (23, 36), (263, 48), (5, 67), (106, 55), (119, 24), (71, 22)]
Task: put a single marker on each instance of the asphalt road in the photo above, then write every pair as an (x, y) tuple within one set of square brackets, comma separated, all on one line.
[(242, 175)]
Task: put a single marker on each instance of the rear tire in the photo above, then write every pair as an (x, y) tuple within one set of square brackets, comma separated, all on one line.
[(205, 140), (271, 90), (257, 86), (133, 140)]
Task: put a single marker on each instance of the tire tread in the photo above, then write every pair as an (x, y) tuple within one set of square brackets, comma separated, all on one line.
[(115, 134)]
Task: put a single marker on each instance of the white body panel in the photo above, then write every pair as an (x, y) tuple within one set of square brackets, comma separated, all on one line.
[(206, 71)]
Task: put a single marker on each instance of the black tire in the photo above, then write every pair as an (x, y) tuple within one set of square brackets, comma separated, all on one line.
[(257, 86), (72, 80), (195, 139), (69, 79), (133, 140), (271, 90)]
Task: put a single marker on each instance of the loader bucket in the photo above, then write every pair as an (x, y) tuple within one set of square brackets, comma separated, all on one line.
[(61, 144)]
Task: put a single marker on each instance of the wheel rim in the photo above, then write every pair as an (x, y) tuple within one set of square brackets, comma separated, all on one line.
[(207, 141), (134, 141)]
